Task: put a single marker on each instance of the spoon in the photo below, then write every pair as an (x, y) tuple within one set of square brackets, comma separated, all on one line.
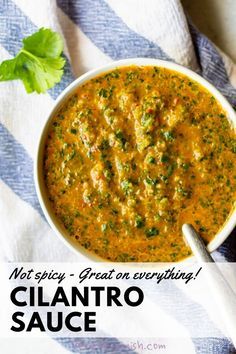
[(222, 293)]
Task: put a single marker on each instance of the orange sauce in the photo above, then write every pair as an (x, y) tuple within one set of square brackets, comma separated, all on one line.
[(133, 155)]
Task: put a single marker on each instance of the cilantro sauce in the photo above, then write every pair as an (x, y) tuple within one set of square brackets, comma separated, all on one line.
[(133, 155)]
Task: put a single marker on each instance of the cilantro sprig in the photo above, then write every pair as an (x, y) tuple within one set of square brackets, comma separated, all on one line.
[(38, 64)]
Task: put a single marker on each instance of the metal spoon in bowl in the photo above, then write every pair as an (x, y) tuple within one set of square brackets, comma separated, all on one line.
[(223, 294)]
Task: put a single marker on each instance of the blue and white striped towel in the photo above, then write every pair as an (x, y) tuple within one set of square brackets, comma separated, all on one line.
[(95, 32)]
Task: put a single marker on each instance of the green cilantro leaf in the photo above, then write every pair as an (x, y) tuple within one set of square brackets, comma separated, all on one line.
[(44, 43), (38, 64)]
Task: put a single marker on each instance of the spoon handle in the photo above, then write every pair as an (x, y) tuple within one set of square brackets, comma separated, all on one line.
[(196, 244), (222, 293)]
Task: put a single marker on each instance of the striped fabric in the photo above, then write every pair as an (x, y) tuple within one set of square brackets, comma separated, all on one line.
[(95, 33)]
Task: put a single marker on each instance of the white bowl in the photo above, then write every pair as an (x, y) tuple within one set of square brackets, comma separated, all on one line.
[(39, 180)]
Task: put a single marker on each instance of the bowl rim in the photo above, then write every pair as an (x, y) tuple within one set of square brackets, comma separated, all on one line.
[(226, 229)]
